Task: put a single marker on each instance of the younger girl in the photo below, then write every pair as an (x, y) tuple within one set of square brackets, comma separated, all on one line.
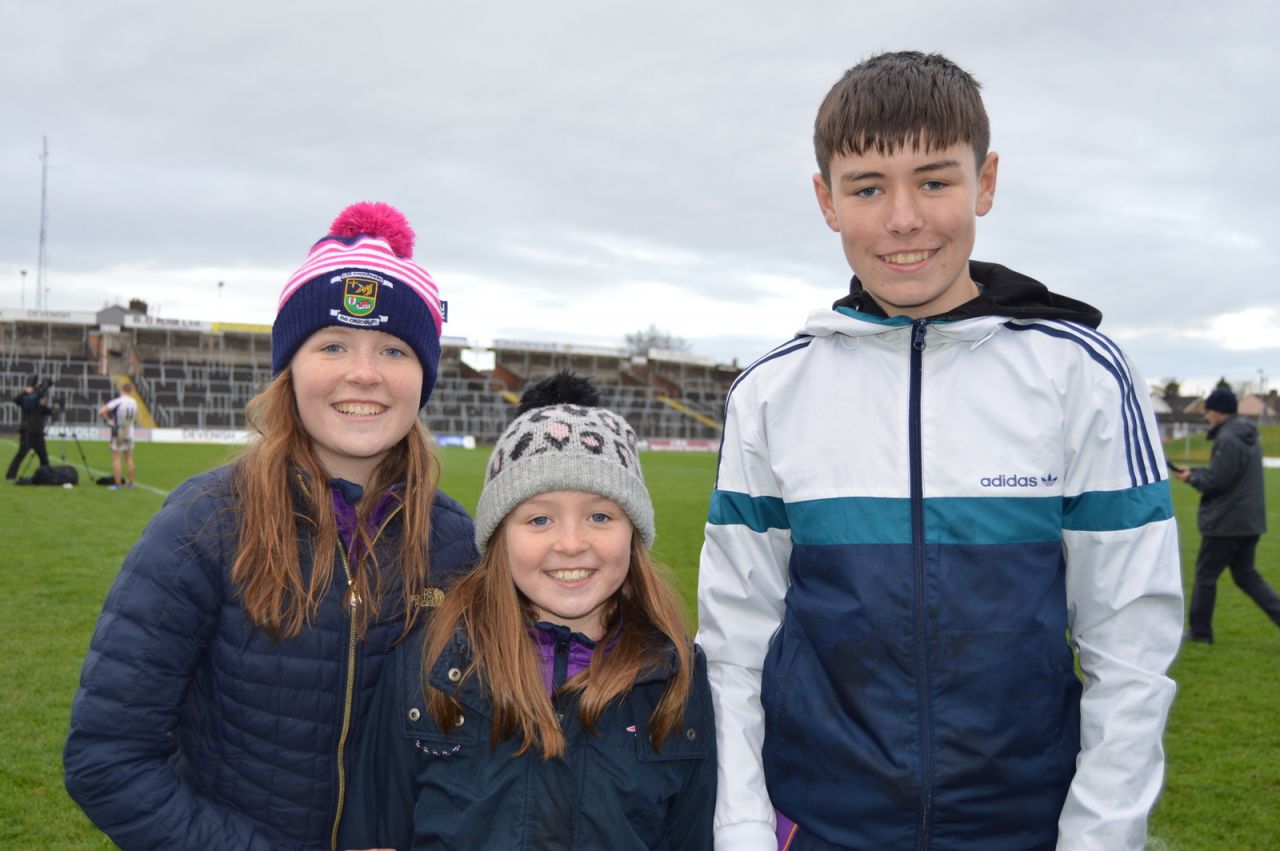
[(556, 700), (239, 644)]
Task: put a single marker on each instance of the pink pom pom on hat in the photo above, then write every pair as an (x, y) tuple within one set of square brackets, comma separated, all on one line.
[(362, 275), (377, 219)]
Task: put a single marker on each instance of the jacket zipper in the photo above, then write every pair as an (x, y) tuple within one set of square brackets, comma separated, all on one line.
[(917, 553), (351, 677), (559, 675)]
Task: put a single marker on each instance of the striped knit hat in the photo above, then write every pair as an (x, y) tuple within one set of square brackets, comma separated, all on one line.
[(362, 276)]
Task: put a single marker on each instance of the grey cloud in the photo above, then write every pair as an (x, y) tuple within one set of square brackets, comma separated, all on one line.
[(1134, 139)]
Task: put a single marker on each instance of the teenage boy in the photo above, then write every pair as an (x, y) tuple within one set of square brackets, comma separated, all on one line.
[(925, 501)]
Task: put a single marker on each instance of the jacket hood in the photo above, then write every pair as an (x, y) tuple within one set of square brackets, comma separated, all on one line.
[(1004, 293), (1241, 429)]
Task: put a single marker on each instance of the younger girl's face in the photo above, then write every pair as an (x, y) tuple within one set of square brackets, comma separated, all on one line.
[(357, 393), (569, 553)]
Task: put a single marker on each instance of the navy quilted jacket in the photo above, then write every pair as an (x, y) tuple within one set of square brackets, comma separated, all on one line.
[(194, 730)]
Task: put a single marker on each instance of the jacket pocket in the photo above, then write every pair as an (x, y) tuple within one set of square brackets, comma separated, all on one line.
[(419, 724), (452, 770), (628, 790), (416, 722), (692, 739)]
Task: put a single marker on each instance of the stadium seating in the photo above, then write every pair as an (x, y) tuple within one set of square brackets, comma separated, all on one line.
[(200, 375)]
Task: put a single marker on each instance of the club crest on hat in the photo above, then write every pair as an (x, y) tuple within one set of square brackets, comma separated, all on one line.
[(359, 295), (359, 298)]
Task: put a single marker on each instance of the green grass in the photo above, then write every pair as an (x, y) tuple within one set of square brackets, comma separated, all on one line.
[(64, 547), (1222, 789), (1194, 451)]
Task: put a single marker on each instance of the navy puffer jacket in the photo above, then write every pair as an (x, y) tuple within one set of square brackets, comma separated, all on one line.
[(191, 727)]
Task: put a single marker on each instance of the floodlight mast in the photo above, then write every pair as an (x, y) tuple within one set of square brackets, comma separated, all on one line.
[(42, 282)]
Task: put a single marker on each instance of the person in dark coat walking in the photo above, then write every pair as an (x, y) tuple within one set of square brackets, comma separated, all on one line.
[(238, 647), (1232, 515), (33, 401)]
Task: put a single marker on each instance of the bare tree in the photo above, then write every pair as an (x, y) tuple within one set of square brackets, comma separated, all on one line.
[(654, 337)]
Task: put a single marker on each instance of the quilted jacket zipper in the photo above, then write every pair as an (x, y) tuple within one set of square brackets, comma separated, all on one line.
[(351, 676)]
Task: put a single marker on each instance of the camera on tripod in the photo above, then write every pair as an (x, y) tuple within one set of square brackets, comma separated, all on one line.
[(42, 386)]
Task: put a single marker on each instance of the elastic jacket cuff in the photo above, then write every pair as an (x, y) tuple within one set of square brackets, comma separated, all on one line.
[(747, 836)]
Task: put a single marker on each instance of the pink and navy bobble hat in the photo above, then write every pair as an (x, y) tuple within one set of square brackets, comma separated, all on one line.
[(362, 275)]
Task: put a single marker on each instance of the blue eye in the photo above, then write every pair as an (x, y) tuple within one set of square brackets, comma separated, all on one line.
[(540, 520), (867, 192), (331, 347), (933, 185), (600, 517), (398, 352)]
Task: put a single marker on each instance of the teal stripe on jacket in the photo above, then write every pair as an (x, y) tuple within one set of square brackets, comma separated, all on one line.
[(948, 520), (757, 513), (1111, 511)]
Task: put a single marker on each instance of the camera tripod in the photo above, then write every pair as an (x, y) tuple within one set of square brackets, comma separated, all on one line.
[(88, 473)]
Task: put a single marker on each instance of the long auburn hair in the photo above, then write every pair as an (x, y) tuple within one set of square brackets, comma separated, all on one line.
[(280, 484), (644, 623)]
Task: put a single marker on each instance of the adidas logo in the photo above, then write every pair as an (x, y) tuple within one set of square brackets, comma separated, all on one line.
[(1005, 480)]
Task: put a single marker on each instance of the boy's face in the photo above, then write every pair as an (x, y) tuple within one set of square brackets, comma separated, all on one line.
[(907, 222)]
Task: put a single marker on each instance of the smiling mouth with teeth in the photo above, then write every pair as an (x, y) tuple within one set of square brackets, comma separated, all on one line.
[(360, 409), (569, 575), (906, 258)]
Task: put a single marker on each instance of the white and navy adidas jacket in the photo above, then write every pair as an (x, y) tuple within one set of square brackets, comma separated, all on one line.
[(913, 525)]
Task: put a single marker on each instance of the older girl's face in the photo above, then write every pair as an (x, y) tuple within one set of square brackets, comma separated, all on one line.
[(569, 553), (357, 393)]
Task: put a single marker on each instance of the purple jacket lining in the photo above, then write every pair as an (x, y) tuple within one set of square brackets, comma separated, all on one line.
[(345, 496), (545, 638)]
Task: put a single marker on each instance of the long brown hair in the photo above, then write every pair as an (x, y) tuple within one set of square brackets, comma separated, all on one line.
[(280, 484), (644, 623)]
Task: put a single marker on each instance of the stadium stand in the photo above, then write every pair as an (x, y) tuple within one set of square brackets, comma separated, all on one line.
[(199, 375)]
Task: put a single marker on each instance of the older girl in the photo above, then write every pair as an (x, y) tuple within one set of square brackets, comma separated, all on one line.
[(242, 637)]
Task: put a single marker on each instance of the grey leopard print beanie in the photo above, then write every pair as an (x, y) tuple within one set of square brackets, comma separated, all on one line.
[(563, 440)]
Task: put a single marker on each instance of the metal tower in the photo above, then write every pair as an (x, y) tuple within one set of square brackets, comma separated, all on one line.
[(42, 283)]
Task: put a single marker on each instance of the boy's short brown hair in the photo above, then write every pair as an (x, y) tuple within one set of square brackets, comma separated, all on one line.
[(893, 100)]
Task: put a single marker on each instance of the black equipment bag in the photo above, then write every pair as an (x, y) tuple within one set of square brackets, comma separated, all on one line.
[(56, 475)]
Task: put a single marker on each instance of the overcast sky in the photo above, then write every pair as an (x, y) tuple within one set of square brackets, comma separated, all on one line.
[(579, 170)]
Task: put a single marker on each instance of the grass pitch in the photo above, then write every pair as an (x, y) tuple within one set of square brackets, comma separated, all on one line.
[(64, 547)]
